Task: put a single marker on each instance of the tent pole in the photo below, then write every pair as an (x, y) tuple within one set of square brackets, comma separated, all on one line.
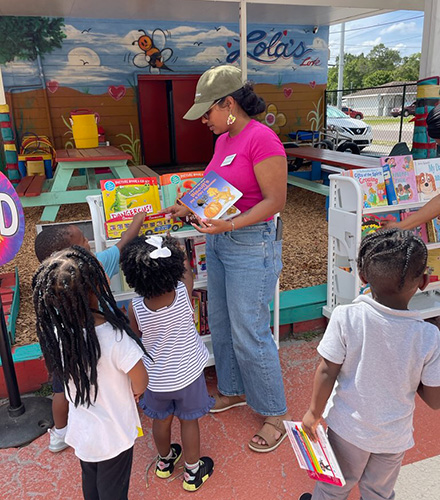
[(243, 39)]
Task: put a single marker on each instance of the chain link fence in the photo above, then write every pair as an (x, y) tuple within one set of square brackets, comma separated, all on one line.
[(386, 113)]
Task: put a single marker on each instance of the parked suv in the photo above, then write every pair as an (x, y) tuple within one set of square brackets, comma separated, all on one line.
[(348, 129), (352, 113), (407, 110)]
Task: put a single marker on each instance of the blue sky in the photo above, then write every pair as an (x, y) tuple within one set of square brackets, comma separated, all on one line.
[(401, 30)]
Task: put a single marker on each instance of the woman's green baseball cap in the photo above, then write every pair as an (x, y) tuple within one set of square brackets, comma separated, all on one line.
[(213, 85)]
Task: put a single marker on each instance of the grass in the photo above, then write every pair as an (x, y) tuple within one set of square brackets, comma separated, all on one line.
[(308, 336), (380, 120), (45, 390)]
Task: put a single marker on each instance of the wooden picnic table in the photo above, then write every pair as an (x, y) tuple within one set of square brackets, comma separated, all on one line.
[(70, 159), (319, 157)]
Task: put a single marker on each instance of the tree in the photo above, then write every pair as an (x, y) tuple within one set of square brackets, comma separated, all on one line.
[(377, 78), (409, 69), (26, 37), (383, 58)]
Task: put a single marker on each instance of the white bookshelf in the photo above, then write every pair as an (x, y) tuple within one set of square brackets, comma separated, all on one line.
[(101, 243), (344, 237)]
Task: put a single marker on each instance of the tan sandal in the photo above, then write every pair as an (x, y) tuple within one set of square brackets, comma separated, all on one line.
[(264, 433), (222, 405)]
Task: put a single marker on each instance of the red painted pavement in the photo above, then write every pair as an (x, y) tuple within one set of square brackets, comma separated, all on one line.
[(240, 474)]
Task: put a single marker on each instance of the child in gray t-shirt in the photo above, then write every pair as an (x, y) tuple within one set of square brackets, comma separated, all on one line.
[(376, 354)]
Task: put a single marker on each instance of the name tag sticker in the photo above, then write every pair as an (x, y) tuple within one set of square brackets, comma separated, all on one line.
[(228, 160)]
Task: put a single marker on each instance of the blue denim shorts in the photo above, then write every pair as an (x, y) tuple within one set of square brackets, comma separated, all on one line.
[(57, 385), (189, 403)]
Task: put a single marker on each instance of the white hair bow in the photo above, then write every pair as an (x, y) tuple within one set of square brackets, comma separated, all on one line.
[(156, 241)]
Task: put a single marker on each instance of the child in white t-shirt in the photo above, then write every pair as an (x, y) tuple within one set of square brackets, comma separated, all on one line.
[(376, 355), (164, 318), (88, 344)]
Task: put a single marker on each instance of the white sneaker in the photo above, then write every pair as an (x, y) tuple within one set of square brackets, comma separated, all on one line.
[(56, 443)]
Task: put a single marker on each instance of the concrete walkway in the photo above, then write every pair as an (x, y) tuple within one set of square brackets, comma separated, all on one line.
[(240, 474)]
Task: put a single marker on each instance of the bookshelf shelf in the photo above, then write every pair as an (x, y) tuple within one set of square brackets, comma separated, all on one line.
[(344, 237)]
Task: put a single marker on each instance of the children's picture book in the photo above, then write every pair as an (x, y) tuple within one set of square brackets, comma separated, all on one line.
[(419, 231), (403, 178), (433, 230), (174, 185), (211, 197), (122, 199), (371, 223), (427, 178), (372, 184), (434, 264), (317, 458)]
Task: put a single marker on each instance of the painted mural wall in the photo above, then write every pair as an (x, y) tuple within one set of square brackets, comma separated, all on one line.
[(97, 64)]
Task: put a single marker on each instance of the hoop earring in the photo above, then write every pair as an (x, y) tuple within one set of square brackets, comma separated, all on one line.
[(231, 119)]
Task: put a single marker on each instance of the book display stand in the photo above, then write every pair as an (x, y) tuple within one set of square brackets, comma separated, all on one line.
[(101, 242), (346, 209)]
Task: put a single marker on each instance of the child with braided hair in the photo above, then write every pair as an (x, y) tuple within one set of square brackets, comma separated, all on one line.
[(380, 354), (88, 344), (163, 316)]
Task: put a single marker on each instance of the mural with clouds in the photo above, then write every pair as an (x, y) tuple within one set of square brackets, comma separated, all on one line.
[(104, 57)]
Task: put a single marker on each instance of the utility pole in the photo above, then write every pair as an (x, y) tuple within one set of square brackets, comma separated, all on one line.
[(341, 66)]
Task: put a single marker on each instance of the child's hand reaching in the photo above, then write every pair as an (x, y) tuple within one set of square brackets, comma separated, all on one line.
[(309, 423)]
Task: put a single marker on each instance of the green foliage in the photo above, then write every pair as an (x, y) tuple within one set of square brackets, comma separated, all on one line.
[(378, 77), (380, 66), (132, 147), (316, 117), (26, 37)]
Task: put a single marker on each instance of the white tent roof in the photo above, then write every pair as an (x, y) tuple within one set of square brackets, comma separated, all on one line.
[(319, 12)]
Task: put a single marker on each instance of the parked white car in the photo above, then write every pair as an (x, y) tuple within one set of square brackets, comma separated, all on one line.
[(348, 129)]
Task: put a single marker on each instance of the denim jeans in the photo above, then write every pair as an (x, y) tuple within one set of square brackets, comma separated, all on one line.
[(243, 267)]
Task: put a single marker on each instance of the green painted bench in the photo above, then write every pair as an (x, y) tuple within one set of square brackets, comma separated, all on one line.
[(314, 186)]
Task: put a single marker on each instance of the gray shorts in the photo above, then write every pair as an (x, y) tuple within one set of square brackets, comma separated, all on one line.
[(189, 403)]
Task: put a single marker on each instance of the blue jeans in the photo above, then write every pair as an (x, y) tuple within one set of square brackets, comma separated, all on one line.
[(243, 267)]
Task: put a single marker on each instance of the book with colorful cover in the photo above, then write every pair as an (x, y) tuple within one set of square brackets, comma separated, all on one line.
[(389, 186), (403, 176), (419, 231), (317, 458), (433, 229), (372, 222), (427, 178), (174, 185), (433, 264), (211, 197), (122, 199), (372, 183)]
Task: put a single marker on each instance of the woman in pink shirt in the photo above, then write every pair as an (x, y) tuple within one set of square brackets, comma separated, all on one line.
[(243, 254)]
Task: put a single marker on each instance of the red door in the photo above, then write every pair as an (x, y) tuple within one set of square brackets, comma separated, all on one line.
[(154, 122), (194, 141), (166, 137)]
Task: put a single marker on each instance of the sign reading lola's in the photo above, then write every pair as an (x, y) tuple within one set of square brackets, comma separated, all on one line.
[(266, 48), (11, 221)]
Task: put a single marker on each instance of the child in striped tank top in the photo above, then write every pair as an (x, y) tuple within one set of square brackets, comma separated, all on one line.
[(163, 317)]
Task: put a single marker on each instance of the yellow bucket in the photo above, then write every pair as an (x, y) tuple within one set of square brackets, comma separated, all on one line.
[(84, 128)]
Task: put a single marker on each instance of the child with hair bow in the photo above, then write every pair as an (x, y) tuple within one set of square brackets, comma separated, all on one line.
[(163, 317)]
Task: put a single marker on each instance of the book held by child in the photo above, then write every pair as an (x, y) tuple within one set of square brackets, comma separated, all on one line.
[(211, 197), (317, 458)]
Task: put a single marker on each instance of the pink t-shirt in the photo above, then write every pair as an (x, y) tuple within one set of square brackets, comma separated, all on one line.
[(253, 144)]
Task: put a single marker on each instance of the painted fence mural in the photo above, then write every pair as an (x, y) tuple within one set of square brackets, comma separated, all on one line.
[(95, 64)]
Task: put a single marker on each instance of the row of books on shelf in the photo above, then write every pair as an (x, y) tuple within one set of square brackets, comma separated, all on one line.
[(316, 457), (208, 196), (195, 247), (398, 180), (199, 301)]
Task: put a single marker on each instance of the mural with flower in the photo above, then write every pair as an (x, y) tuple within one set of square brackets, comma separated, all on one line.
[(272, 118)]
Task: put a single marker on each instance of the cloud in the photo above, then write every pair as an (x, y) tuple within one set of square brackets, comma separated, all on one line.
[(401, 27), (399, 47), (372, 43), (318, 44)]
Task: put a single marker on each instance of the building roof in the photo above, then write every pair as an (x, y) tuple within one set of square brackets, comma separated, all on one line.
[(391, 88)]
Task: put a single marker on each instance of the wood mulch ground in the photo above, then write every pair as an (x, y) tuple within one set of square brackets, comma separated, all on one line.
[(304, 250)]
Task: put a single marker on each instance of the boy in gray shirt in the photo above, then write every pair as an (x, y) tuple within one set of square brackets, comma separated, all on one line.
[(376, 354)]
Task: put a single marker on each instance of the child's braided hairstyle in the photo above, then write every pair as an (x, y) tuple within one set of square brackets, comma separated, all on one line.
[(62, 287), (393, 255), (152, 277)]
